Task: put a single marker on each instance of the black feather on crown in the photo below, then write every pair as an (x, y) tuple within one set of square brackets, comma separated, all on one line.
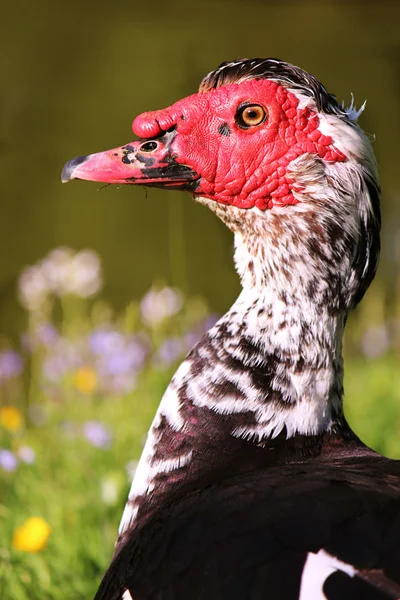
[(277, 70)]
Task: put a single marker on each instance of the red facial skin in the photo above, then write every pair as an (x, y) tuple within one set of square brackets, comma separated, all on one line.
[(241, 167)]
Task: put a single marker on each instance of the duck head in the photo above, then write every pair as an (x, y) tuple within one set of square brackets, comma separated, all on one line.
[(259, 136), (231, 143)]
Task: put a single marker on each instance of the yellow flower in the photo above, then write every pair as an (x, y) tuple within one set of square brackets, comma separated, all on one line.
[(11, 418), (32, 536), (85, 380)]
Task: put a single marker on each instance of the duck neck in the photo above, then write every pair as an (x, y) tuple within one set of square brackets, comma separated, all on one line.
[(290, 321), (270, 370)]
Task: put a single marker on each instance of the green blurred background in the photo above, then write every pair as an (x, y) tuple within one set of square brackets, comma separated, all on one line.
[(75, 74)]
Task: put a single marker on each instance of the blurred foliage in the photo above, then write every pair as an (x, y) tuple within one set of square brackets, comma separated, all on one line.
[(75, 402)]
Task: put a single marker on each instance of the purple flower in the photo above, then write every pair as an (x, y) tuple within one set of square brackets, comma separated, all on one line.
[(191, 338), (46, 334), (169, 351), (106, 341), (66, 355), (116, 364), (8, 460), (96, 434), (11, 364), (138, 349), (120, 384), (124, 359), (210, 321), (118, 358)]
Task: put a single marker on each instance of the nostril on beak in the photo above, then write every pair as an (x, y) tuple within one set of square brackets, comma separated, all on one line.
[(148, 147)]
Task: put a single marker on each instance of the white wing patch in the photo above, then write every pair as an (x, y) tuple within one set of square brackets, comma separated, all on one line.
[(142, 482), (316, 570)]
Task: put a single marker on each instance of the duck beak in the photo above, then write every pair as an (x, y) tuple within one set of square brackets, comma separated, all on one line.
[(146, 162)]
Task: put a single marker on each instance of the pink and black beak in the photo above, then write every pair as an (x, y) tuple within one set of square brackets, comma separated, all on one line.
[(149, 162)]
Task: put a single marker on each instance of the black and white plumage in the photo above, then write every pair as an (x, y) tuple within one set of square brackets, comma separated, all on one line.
[(251, 484)]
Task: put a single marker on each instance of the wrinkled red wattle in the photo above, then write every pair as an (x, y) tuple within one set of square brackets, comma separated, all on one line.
[(249, 167)]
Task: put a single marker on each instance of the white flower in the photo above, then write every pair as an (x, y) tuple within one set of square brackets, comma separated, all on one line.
[(33, 288), (56, 268), (27, 454), (87, 278), (63, 271), (375, 341), (111, 488), (157, 305), (68, 272)]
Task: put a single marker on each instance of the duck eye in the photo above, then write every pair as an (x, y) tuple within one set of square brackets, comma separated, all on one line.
[(250, 115)]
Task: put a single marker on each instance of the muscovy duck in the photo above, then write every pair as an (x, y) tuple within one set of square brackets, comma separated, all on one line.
[(251, 484)]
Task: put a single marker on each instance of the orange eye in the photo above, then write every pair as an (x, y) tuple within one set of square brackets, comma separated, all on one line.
[(250, 115)]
